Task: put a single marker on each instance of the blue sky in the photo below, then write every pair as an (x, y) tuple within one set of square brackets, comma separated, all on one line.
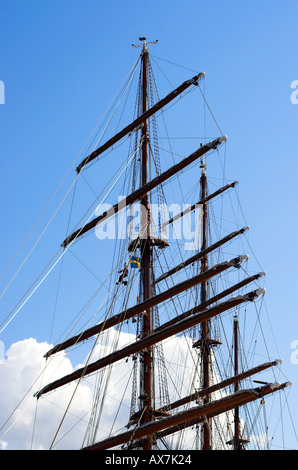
[(61, 62)]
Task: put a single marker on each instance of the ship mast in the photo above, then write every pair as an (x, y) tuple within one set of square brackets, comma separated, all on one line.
[(205, 345), (146, 329), (236, 387), (237, 442)]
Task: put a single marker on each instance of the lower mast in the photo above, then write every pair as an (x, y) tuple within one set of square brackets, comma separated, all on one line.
[(205, 343)]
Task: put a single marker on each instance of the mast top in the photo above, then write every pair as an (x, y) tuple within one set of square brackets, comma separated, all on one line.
[(145, 44), (203, 163)]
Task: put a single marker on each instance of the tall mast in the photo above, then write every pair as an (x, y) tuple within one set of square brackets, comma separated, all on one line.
[(205, 345), (236, 387), (237, 441), (146, 357)]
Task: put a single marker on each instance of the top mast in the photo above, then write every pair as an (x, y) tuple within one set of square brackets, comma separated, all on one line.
[(146, 252), (146, 364)]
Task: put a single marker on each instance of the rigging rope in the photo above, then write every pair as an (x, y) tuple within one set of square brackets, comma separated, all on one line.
[(50, 200), (64, 252)]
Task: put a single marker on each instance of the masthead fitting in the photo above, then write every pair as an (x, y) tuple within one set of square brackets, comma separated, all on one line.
[(145, 44)]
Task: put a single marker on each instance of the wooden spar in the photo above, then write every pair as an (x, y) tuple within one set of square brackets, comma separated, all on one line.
[(140, 192), (201, 254), (143, 306), (160, 104), (214, 299), (153, 338), (189, 417), (202, 201), (213, 388), (220, 385), (227, 407)]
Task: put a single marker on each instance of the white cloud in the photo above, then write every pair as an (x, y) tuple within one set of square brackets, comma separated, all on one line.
[(23, 374), (21, 378)]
